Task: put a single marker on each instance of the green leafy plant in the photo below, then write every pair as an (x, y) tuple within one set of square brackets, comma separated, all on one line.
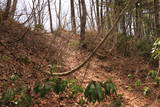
[(23, 59), (53, 68), (94, 92), (153, 74), (59, 85), (130, 76), (14, 77), (42, 89), (39, 27), (16, 97), (157, 80), (36, 67), (156, 49), (82, 101), (117, 102), (75, 88), (5, 58), (138, 83), (110, 87), (146, 91)]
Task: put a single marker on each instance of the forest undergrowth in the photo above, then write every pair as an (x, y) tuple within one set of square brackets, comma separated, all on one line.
[(109, 79)]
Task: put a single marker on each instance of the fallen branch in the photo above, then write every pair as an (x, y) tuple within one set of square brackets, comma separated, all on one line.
[(130, 3)]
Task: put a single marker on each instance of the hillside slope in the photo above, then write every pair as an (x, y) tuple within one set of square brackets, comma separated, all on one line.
[(28, 54)]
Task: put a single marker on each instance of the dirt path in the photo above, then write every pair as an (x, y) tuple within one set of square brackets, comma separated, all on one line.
[(112, 67)]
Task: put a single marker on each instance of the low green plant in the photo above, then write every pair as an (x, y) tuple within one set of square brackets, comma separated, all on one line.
[(15, 77), (39, 27), (42, 89), (59, 85), (138, 83), (117, 103), (53, 68), (94, 92), (144, 47), (130, 76), (156, 49), (23, 59), (153, 74), (82, 101), (75, 88), (74, 43), (36, 67), (16, 97), (146, 91), (109, 87), (56, 84), (5, 58)]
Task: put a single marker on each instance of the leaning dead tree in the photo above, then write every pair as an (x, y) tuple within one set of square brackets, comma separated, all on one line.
[(130, 3)]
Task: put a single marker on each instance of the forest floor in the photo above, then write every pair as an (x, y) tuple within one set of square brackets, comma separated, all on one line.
[(115, 67), (40, 50)]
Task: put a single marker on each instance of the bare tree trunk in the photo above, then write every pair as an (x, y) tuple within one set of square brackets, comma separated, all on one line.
[(138, 20), (80, 8), (73, 22), (59, 14), (13, 9), (123, 22), (98, 16), (156, 17), (7, 10), (108, 15), (92, 8), (39, 12), (102, 19), (50, 16), (83, 22), (34, 12)]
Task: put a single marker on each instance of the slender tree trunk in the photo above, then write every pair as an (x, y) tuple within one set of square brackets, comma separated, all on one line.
[(80, 9), (83, 22), (92, 17), (13, 9), (138, 20), (73, 22), (156, 18), (102, 17), (98, 16), (39, 12), (108, 15), (123, 20), (59, 15), (50, 16), (7, 10), (34, 12)]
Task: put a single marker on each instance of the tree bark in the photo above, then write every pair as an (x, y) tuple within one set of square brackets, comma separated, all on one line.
[(73, 21), (97, 16), (13, 9), (83, 22), (156, 18), (50, 16), (7, 10)]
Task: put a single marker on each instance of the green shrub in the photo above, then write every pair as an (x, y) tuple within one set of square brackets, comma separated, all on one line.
[(16, 97), (124, 44), (144, 47), (94, 92)]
